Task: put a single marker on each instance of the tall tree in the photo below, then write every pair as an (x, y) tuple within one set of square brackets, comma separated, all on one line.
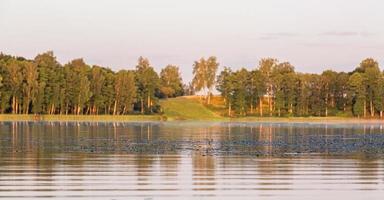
[(125, 92), (240, 91), (50, 83), (14, 83), (266, 66), (204, 72), (257, 89), (328, 80), (30, 85), (225, 85), (147, 83), (358, 94), (369, 68), (171, 82), (284, 81), (97, 78), (78, 85)]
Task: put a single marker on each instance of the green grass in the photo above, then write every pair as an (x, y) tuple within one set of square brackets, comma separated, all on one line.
[(183, 108)]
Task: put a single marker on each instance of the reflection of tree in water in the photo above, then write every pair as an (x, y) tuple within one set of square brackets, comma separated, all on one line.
[(203, 172), (266, 135), (32, 163), (169, 166), (368, 171)]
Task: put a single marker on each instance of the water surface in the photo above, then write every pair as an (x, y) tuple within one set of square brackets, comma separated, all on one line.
[(191, 160)]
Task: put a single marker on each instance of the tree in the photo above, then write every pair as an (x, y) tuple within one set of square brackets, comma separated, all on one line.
[(78, 86), (369, 68), (225, 85), (303, 94), (341, 91), (204, 72), (378, 100), (284, 84), (50, 83), (328, 80), (358, 94), (240, 91), (147, 83), (256, 89), (29, 85), (266, 66), (5, 91), (97, 78), (14, 83), (108, 91), (171, 82), (125, 92)]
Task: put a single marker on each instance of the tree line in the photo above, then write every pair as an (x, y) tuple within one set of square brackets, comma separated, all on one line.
[(44, 86), (275, 89)]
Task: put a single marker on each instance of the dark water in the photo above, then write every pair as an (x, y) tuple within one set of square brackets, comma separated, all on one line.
[(191, 161)]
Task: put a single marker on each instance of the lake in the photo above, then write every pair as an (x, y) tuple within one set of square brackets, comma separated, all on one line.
[(191, 160)]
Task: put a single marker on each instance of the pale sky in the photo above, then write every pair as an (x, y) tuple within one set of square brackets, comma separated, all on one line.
[(311, 34)]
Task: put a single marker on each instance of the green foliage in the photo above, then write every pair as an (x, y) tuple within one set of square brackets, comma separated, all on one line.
[(125, 92), (44, 86), (171, 82), (204, 74), (286, 93), (148, 84), (357, 92)]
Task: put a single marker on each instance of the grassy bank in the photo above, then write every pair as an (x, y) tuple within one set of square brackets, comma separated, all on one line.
[(99, 118), (307, 119), (185, 109)]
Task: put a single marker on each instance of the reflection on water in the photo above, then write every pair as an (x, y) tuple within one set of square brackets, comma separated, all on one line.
[(191, 160)]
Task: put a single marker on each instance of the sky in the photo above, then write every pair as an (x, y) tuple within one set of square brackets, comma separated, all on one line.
[(313, 35)]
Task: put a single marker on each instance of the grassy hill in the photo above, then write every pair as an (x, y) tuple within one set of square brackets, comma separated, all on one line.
[(187, 108)]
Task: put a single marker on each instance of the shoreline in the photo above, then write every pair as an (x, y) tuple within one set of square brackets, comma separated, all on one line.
[(158, 118)]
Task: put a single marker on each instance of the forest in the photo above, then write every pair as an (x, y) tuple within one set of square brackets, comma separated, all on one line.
[(44, 86)]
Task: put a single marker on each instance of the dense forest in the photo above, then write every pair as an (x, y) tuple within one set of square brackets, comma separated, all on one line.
[(289, 93), (44, 86)]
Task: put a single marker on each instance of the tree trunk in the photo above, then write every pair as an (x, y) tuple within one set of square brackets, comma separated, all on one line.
[(13, 105), (53, 109), (124, 110), (261, 106), (149, 104), (142, 106), (209, 97), (365, 108), (229, 109), (251, 107), (372, 109), (114, 108), (381, 114), (270, 105)]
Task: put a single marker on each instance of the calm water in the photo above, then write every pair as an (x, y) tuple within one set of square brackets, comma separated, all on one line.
[(191, 161)]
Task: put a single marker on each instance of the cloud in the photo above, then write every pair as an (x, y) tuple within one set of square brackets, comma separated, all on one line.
[(278, 35), (346, 34)]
